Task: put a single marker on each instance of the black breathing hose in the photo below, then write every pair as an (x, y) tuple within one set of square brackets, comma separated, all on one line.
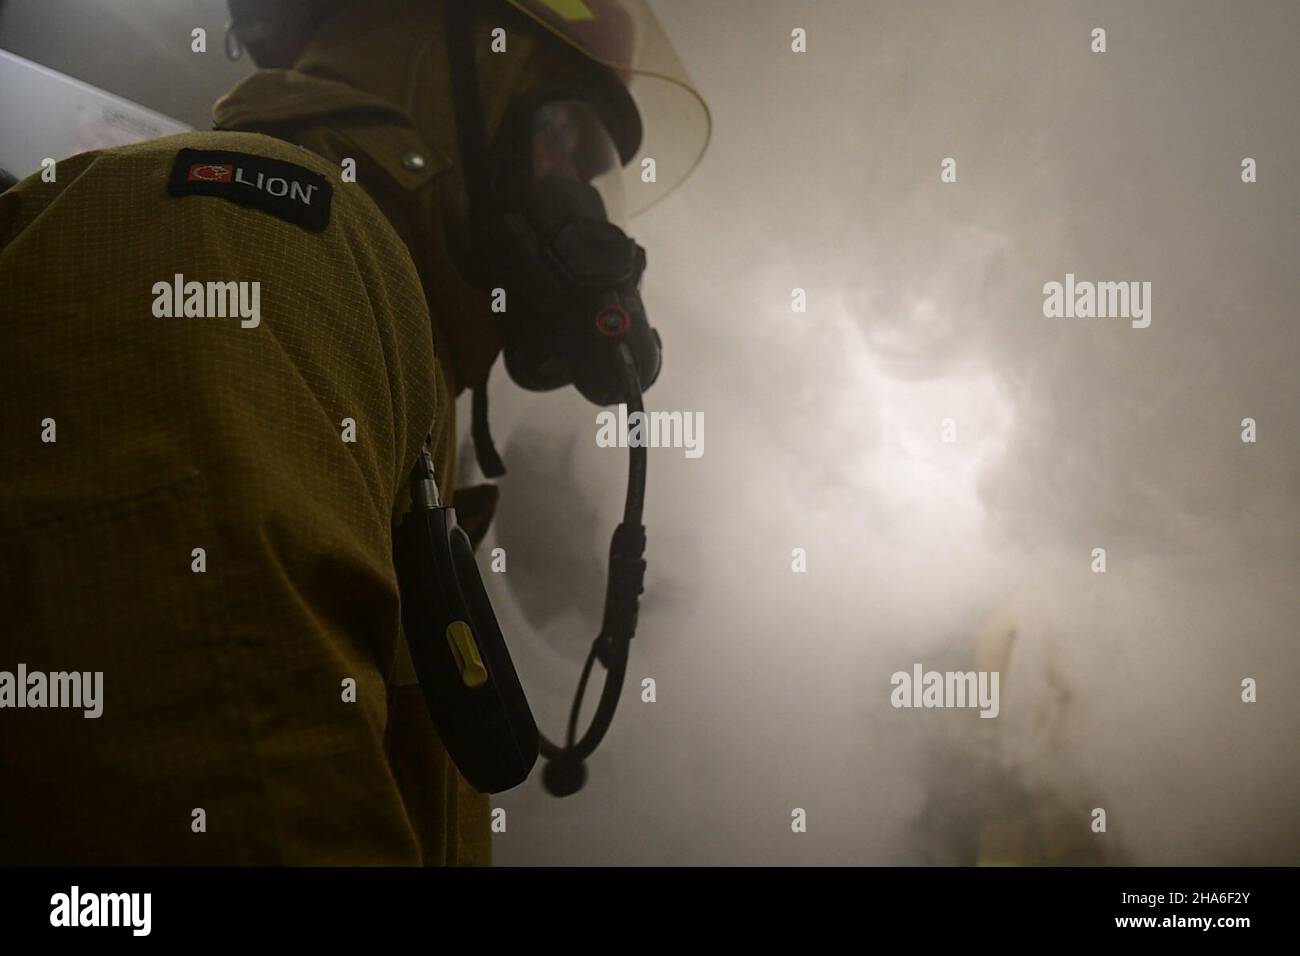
[(565, 770)]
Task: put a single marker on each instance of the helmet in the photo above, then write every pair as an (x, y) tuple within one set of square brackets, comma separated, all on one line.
[(625, 37), (274, 32), (621, 35)]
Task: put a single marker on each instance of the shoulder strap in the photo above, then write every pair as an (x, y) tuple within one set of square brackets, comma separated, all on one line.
[(471, 131)]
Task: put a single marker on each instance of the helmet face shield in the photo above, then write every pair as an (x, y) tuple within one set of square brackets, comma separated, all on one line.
[(625, 37)]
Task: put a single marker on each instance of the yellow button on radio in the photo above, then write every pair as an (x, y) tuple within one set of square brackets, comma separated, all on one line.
[(465, 651)]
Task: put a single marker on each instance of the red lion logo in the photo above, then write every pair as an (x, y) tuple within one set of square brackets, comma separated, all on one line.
[(211, 173)]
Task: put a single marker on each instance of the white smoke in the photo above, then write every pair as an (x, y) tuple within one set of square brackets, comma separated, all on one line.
[(924, 303)]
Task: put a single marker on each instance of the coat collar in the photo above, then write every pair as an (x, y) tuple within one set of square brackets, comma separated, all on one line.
[(271, 101)]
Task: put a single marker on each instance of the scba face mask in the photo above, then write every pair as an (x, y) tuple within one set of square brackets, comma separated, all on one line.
[(574, 272)]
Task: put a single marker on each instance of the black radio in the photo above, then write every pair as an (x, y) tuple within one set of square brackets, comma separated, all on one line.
[(470, 687)]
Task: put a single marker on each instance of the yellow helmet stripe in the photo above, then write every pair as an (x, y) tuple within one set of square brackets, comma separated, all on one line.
[(571, 11)]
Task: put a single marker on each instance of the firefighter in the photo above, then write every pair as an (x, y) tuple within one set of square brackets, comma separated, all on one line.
[(200, 507)]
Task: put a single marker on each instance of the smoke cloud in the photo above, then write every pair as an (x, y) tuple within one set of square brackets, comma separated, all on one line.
[(1120, 690)]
